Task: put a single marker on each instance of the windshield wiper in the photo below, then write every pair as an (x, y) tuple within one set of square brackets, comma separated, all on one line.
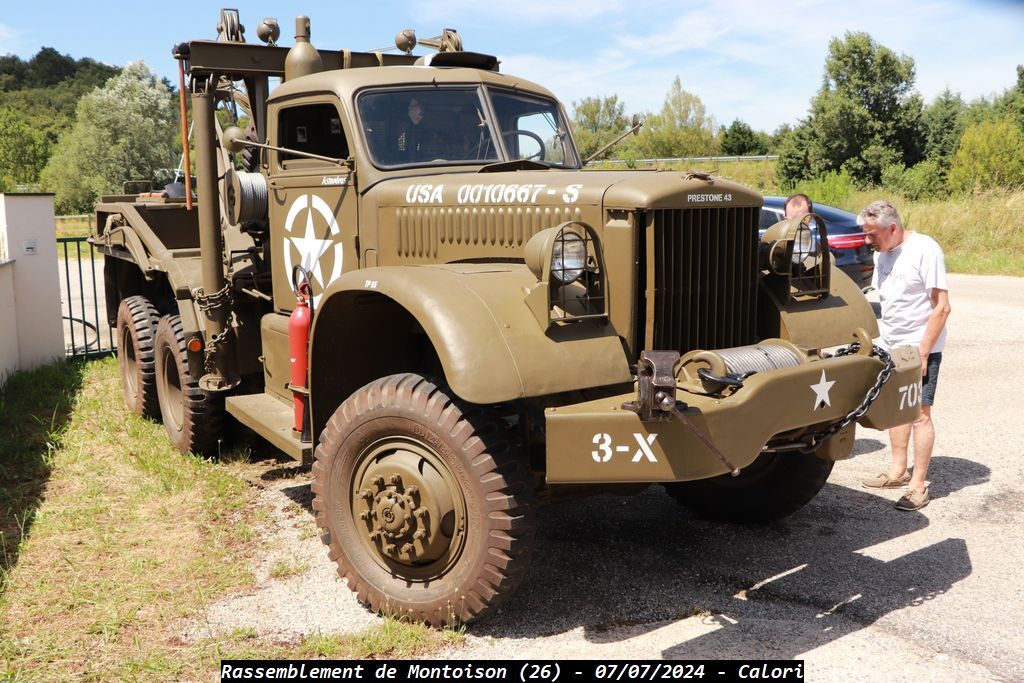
[(516, 165)]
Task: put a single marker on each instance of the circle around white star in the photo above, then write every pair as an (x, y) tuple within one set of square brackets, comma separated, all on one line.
[(309, 246)]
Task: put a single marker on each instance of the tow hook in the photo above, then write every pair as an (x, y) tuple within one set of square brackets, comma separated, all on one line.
[(656, 398)]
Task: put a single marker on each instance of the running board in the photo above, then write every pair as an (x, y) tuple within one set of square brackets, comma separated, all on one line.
[(272, 419)]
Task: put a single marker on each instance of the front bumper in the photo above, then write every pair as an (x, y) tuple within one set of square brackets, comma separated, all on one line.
[(601, 442)]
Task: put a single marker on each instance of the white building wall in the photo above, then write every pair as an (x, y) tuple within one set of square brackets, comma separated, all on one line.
[(28, 240), (8, 321)]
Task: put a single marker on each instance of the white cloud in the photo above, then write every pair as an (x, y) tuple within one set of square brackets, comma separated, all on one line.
[(763, 62)]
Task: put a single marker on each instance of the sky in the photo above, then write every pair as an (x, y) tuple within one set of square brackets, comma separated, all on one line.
[(760, 62)]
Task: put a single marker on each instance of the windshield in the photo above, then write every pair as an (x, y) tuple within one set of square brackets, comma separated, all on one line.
[(532, 128), (451, 125)]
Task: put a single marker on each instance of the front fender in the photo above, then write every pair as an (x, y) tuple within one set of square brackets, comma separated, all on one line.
[(821, 323), (487, 341)]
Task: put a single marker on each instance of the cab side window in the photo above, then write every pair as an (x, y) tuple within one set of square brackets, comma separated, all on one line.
[(314, 128)]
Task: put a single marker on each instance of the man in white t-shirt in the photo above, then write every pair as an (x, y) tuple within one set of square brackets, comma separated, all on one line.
[(910, 276)]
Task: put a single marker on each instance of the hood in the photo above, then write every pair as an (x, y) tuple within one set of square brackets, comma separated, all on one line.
[(625, 189)]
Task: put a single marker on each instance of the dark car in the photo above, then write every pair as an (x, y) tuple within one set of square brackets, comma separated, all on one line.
[(845, 237)]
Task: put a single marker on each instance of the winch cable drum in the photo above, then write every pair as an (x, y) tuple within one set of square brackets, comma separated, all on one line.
[(741, 360), (247, 196)]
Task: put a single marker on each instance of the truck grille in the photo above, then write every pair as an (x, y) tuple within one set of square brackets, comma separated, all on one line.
[(702, 278)]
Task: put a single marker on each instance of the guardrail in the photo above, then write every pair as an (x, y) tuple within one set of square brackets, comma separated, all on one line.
[(678, 160)]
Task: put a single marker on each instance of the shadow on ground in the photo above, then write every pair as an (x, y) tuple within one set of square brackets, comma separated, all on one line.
[(35, 409), (611, 561)]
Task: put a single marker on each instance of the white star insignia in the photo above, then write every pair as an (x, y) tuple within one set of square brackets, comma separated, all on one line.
[(311, 249), (821, 391)]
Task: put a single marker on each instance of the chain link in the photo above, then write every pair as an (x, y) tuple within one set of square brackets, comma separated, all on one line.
[(215, 300), (809, 442)]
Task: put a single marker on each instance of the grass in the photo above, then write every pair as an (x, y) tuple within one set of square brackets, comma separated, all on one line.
[(110, 539), (285, 569), (74, 226)]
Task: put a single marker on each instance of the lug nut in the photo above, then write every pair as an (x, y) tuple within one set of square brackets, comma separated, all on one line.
[(378, 481), (421, 512), (407, 548), (389, 548), (364, 515), (367, 494), (395, 479), (412, 490), (420, 535)]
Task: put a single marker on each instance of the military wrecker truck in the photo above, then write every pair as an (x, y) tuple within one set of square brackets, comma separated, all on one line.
[(398, 268)]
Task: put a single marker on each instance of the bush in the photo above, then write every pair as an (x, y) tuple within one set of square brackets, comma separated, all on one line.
[(828, 188), (990, 157), (921, 181)]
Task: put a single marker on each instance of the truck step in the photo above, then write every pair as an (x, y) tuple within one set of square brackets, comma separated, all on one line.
[(271, 418)]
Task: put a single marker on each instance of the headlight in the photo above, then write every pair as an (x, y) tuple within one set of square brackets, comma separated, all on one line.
[(804, 244), (568, 257)]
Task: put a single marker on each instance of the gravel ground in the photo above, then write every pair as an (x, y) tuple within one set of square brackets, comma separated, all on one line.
[(848, 584)]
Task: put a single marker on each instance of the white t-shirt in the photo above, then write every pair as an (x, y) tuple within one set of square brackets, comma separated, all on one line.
[(905, 278)]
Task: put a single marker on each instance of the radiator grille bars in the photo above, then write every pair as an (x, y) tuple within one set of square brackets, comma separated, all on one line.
[(704, 277)]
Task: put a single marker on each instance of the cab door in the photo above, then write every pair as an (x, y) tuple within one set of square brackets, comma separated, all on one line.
[(312, 202)]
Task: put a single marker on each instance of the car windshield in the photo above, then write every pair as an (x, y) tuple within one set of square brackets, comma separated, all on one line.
[(452, 125)]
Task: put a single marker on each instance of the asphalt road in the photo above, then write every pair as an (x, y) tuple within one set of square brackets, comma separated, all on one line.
[(855, 588)]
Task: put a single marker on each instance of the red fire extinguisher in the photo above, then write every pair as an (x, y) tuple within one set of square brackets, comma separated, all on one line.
[(298, 346)]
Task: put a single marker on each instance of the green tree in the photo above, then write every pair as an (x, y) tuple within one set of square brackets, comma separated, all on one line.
[(739, 139), (942, 123), (123, 131), (793, 148), (24, 149), (990, 156), (866, 115), (596, 122), (682, 127)]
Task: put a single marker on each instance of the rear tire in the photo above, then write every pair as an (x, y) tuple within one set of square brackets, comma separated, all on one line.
[(192, 417), (425, 506), (774, 486), (137, 322)]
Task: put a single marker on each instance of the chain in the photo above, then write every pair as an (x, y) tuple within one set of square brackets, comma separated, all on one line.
[(215, 300), (213, 347), (809, 442)]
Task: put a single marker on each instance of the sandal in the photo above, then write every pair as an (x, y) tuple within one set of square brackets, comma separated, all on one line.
[(884, 481)]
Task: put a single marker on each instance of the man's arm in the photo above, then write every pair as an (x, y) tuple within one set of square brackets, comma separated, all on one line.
[(936, 321)]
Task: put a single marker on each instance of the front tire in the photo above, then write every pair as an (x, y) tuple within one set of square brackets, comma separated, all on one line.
[(426, 508), (193, 418), (774, 486)]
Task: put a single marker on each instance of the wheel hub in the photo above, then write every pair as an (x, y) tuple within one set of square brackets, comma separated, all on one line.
[(405, 506)]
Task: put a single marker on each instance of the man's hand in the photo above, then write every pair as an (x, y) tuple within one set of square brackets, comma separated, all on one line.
[(924, 364)]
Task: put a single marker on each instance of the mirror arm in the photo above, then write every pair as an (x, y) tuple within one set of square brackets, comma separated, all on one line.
[(308, 155), (632, 129)]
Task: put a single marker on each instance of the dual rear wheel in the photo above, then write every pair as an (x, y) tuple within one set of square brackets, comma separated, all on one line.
[(155, 378)]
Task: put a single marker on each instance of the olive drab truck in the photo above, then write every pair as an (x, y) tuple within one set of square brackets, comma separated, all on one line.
[(396, 267)]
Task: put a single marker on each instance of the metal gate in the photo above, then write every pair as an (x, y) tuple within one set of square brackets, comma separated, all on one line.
[(83, 303)]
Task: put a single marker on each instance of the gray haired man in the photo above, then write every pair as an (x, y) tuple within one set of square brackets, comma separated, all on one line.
[(910, 276)]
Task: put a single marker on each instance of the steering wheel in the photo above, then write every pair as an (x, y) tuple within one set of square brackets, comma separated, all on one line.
[(539, 155)]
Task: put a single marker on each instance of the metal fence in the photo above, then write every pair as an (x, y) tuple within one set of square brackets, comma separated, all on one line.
[(86, 333), (680, 160)]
